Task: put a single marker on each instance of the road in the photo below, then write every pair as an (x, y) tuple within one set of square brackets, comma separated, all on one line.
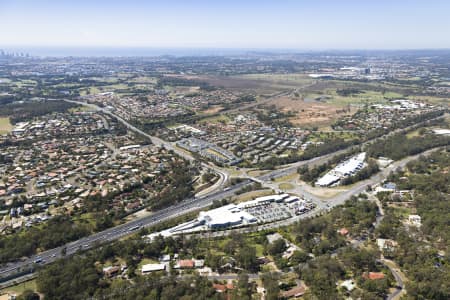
[(192, 204), (400, 289), (155, 140), (120, 231), (222, 277), (188, 205)]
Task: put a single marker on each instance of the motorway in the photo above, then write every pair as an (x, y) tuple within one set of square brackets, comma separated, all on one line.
[(120, 231), (168, 213), (188, 205)]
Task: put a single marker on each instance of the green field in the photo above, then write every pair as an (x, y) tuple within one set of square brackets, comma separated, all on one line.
[(286, 186), (252, 195), (5, 126), (215, 119), (81, 108), (288, 79), (21, 287), (367, 97)]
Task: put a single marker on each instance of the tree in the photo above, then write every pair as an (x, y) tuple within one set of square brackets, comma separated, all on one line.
[(243, 290), (246, 258), (28, 295), (299, 257), (270, 282), (277, 247)]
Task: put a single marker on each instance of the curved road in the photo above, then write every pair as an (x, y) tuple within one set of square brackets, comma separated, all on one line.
[(10, 269)]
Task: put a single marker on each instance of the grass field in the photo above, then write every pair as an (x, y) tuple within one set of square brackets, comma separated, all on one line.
[(144, 262), (280, 79), (215, 119), (5, 126), (252, 195), (286, 178), (81, 108), (412, 134), (286, 186), (310, 112), (260, 84), (145, 79), (367, 97)]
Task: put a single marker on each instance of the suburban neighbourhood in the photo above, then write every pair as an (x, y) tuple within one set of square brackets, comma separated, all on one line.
[(249, 150)]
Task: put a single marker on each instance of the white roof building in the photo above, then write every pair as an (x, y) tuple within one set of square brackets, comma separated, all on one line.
[(229, 215), (351, 165), (415, 220), (346, 168), (440, 131), (327, 180), (148, 268)]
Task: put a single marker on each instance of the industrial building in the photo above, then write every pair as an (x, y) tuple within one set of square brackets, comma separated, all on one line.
[(347, 168)]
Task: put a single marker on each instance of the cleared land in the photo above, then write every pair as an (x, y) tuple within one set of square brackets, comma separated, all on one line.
[(310, 112), (5, 126), (261, 84), (212, 110), (286, 186), (252, 195)]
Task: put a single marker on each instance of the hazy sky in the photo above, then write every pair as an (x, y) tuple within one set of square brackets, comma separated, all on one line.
[(299, 24)]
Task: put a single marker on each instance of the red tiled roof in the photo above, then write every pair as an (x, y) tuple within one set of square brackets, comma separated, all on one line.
[(186, 263), (223, 288), (294, 292), (373, 275)]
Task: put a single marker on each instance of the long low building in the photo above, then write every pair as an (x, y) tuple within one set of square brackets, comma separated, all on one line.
[(327, 180), (347, 168), (148, 268), (261, 210), (225, 216)]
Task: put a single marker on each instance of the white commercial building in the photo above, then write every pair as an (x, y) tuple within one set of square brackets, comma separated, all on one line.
[(225, 216), (347, 168), (327, 180), (440, 131)]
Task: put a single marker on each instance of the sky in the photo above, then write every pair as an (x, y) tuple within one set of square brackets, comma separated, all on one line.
[(276, 24)]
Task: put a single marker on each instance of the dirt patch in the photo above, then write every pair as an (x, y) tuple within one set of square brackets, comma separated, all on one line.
[(322, 192), (310, 112), (286, 186), (252, 195), (212, 110)]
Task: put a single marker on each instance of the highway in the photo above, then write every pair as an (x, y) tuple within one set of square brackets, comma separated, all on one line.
[(165, 214), (120, 231), (8, 270), (189, 205)]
